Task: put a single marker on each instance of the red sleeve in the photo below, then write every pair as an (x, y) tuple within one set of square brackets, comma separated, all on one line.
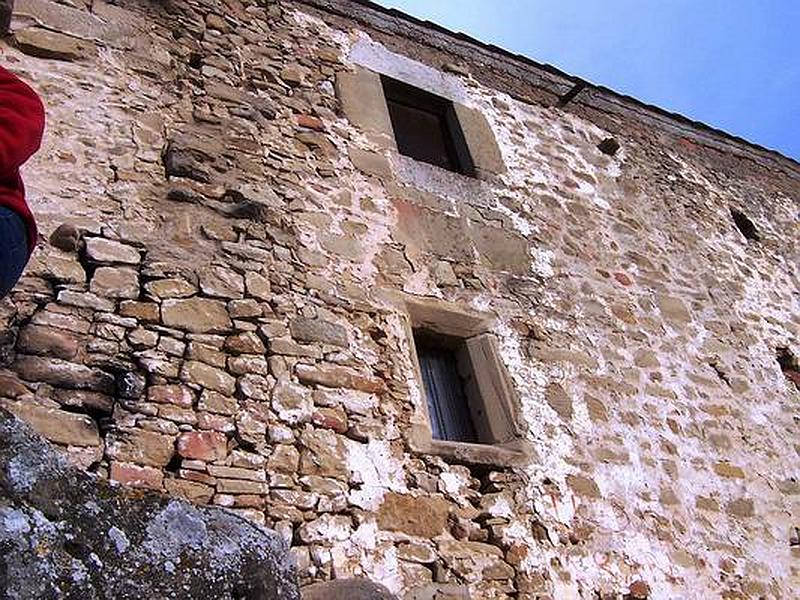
[(21, 122)]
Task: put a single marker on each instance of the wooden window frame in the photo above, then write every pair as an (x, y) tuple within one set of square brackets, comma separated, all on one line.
[(395, 91), (500, 428)]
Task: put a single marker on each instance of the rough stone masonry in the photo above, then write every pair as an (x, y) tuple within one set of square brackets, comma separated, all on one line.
[(229, 239)]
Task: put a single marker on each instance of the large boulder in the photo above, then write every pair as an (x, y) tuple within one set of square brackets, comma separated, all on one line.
[(66, 534)]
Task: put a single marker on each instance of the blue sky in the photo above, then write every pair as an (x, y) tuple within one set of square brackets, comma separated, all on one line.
[(733, 64)]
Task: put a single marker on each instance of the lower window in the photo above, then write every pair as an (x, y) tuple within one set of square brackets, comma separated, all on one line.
[(445, 376), (469, 410)]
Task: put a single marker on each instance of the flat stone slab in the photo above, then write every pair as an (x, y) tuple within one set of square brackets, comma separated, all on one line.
[(66, 534)]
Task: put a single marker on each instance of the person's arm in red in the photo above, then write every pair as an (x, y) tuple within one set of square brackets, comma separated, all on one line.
[(21, 123)]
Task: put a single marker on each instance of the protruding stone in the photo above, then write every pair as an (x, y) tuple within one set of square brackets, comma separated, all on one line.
[(136, 475), (245, 343), (143, 311), (284, 459), (583, 486), (257, 286), (192, 491), (371, 163), (559, 400), (327, 528), (178, 395), (170, 288), (220, 282), (292, 403), (66, 237)]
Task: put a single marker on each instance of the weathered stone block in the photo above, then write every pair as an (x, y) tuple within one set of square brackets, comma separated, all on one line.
[(327, 528), (371, 163), (292, 403), (241, 486), (245, 343), (144, 311), (318, 330), (422, 516), (673, 309), (559, 401), (56, 425), (51, 44), (208, 377), (103, 250), (203, 445), (178, 395), (583, 486), (257, 286), (480, 139), (192, 491), (170, 288), (136, 475), (220, 282), (323, 454), (114, 282), (434, 232), (363, 103), (141, 447), (339, 377), (35, 339), (67, 20), (197, 315), (63, 374), (502, 250), (347, 589)]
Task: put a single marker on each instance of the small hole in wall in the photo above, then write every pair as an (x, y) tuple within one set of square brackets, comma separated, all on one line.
[(720, 373), (174, 464), (745, 226), (794, 537), (195, 60), (789, 365), (608, 146)]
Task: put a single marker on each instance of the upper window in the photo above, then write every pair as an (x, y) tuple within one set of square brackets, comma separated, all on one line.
[(426, 127)]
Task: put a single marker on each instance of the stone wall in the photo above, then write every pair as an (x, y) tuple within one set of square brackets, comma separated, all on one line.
[(213, 311)]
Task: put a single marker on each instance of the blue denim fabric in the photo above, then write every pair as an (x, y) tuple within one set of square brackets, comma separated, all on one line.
[(13, 249)]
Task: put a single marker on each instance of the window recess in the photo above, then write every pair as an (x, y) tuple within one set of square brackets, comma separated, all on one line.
[(467, 397), (426, 127)]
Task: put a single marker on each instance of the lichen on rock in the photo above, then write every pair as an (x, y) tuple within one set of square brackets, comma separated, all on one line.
[(66, 534)]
